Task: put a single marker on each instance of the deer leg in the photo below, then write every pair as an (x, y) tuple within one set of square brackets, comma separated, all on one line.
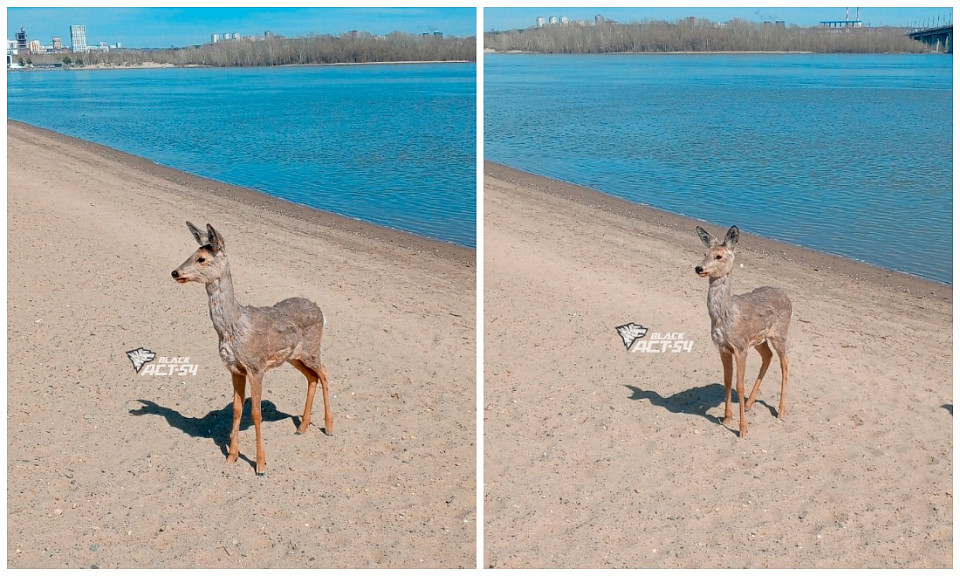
[(256, 393), (239, 389), (784, 365), (765, 355), (327, 411), (727, 359), (741, 368), (311, 391)]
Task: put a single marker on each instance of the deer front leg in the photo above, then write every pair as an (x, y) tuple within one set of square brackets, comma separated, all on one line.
[(239, 389), (256, 392), (727, 359)]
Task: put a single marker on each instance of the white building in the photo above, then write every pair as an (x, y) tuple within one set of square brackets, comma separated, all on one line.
[(78, 38)]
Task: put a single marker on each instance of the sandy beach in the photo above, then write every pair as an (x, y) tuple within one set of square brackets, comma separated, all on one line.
[(597, 457), (110, 468)]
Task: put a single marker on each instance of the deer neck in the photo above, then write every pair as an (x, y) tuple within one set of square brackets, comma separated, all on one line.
[(720, 303), (225, 311)]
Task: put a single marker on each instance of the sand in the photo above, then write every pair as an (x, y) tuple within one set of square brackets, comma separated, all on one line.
[(596, 457), (110, 468)]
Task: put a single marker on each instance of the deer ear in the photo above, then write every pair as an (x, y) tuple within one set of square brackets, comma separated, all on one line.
[(733, 235), (705, 237), (198, 235), (215, 239)]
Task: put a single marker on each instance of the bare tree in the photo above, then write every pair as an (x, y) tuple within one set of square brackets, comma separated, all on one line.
[(695, 35)]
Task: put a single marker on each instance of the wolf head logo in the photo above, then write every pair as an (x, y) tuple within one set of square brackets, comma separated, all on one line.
[(139, 357), (630, 333)]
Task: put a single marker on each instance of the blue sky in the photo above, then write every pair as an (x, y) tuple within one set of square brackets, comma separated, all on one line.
[(166, 27), (513, 18)]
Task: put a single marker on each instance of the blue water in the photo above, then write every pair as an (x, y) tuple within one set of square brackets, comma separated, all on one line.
[(846, 154), (394, 145)]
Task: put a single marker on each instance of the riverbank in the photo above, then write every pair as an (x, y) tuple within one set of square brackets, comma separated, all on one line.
[(153, 65), (596, 457), (107, 467)]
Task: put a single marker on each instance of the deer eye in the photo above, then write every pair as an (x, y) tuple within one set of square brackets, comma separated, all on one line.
[(201, 260), (718, 257)]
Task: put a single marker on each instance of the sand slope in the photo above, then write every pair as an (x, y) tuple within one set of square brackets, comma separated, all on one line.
[(109, 468), (595, 457)]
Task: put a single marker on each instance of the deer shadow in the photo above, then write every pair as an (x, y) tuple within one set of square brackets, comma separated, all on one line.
[(216, 425), (694, 401), (697, 400)]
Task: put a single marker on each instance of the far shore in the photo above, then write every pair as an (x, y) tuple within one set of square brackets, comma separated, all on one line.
[(492, 51), (156, 65)]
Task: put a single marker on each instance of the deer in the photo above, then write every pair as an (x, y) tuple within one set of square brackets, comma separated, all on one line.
[(758, 319), (254, 340)]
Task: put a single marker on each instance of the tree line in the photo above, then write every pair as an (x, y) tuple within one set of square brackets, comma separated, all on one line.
[(279, 51), (699, 36)]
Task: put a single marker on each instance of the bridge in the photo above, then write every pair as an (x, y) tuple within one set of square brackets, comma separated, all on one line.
[(939, 38)]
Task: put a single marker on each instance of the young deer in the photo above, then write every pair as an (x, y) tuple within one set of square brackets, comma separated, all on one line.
[(254, 340), (759, 319)]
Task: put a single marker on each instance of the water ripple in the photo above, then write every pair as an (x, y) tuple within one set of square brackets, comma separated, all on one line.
[(390, 145), (850, 155)]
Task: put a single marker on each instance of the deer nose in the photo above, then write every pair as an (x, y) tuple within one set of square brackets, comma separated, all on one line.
[(698, 270), (175, 274)]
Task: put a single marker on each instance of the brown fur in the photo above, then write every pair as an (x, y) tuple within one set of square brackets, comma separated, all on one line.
[(254, 340), (758, 319)]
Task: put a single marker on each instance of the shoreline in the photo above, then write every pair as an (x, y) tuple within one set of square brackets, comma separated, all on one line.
[(674, 53), (854, 270), (262, 201), (161, 66)]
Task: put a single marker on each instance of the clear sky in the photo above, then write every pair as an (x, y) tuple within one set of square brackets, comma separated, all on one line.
[(514, 18), (166, 27)]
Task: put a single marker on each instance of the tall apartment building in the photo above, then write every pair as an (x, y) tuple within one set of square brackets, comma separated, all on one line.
[(78, 38)]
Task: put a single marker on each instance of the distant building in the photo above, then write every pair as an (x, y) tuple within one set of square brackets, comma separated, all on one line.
[(78, 38), (541, 21), (34, 47), (214, 38), (564, 20), (841, 23), (22, 40), (553, 20), (57, 44)]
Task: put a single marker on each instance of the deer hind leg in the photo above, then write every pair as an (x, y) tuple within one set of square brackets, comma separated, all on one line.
[(327, 410), (727, 359), (312, 378), (256, 393), (741, 369), (781, 348), (239, 390), (765, 355)]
